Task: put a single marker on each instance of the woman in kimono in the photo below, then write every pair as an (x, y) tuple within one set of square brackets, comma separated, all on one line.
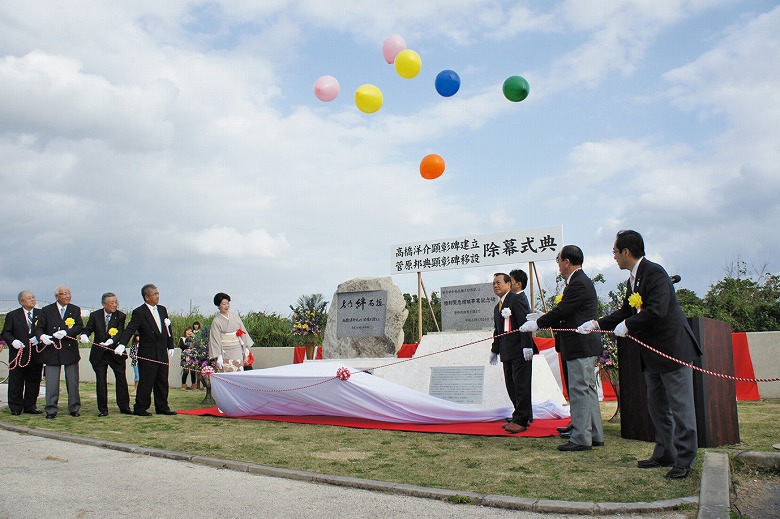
[(228, 342)]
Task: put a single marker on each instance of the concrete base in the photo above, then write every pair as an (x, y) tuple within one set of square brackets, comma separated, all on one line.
[(416, 373)]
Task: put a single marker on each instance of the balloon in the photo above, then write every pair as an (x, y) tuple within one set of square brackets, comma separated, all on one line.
[(392, 45), (516, 88), (431, 166), (447, 83), (408, 64), (326, 88), (368, 98)]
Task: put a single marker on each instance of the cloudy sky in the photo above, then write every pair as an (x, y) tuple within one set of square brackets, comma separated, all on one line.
[(180, 143)]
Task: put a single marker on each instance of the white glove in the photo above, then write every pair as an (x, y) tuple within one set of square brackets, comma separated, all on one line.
[(17, 344), (119, 350), (34, 340), (621, 330), (493, 358), (587, 327), (533, 316), (170, 353), (84, 339), (46, 339), (219, 362), (109, 342), (528, 353), (60, 334), (529, 326)]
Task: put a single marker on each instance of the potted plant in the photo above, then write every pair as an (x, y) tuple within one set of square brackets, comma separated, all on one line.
[(308, 320), (608, 369)]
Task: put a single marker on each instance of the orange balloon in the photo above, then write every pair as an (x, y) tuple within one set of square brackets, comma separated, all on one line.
[(431, 166)]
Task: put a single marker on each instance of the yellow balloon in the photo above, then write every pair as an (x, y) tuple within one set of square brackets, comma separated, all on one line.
[(368, 98), (408, 64)]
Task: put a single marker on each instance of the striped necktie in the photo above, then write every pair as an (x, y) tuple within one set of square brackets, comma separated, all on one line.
[(29, 320)]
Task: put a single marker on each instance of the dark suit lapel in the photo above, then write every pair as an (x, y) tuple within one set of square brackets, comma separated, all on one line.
[(150, 318)]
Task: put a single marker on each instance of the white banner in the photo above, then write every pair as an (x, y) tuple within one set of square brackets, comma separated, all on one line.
[(523, 246)]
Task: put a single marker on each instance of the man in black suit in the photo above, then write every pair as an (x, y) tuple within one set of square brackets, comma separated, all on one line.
[(151, 322), (515, 349), (580, 352), (58, 327), (106, 324), (651, 313), (24, 380)]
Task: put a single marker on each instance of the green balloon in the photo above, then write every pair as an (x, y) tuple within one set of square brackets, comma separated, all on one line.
[(516, 88)]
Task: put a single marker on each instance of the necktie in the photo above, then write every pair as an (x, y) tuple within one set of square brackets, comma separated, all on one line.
[(29, 320), (500, 305), (631, 280), (108, 318), (62, 312), (156, 316)]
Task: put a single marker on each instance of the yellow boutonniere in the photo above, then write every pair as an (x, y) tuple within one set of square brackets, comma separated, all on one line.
[(112, 332), (558, 298), (635, 301), (69, 322)]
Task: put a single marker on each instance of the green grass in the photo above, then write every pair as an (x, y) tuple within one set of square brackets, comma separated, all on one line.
[(514, 466)]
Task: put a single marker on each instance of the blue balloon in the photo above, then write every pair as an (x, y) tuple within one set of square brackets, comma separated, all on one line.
[(447, 83)]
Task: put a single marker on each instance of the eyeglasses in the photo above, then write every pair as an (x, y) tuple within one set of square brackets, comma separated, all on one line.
[(615, 252)]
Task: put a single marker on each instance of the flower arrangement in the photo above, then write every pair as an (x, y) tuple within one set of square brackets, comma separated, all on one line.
[(309, 315), (635, 300), (608, 361), (196, 357)]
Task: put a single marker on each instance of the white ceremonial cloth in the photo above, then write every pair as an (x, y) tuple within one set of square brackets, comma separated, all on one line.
[(256, 392)]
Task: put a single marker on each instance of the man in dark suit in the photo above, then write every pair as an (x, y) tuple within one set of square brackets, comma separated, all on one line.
[(515, 349), (580, 352), (24, 380), (106, 324), (151, 322), (651, 313), (58, 328)]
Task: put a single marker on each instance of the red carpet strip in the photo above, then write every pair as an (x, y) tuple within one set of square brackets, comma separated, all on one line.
[(538, 429)]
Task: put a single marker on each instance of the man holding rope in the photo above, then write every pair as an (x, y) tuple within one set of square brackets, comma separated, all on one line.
[(59, 325), (579, 302), (24, 379), (651, 313)]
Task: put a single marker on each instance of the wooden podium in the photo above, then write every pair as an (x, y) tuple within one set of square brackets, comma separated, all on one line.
[(715, 398)]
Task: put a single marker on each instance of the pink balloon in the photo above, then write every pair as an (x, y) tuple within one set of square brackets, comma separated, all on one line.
[(326, 88), (392, 46)]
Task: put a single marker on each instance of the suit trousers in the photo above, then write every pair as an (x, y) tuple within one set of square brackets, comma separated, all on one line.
[(118, 366), (153, 377), (52, 374), (584, 402), (24, 384), (671, 406), (517, 377)]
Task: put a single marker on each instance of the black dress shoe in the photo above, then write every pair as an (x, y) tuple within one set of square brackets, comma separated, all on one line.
[(75, 414), (653, 463), (33, 411), (142, 413), (126, 411), (571, 446), (169, 412), (566, 429), (103, 413), (565, 434), (50, 416), (678, 473), (16, 413)]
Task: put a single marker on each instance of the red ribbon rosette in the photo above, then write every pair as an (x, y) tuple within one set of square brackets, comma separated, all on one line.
[(342, 374), (207, 371)]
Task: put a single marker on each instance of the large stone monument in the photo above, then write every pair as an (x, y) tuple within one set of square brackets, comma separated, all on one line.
[(366, 319)]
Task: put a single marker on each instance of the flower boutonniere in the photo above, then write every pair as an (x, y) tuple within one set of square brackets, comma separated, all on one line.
[(69, 322), (635, 300), (112, 332), (507, 313), (168, 325), (558, 299)]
